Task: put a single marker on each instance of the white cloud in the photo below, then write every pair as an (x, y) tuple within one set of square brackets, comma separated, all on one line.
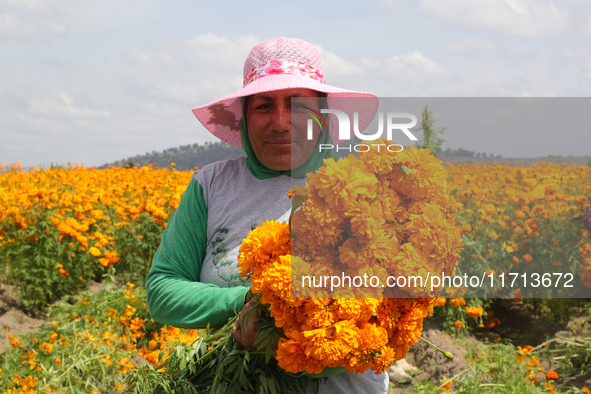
[(61, 104), (211, 50), (334, 65), (152, 58), (582, 57), (523, 18), (29, 5), (26, 27), (177, 92), (472, 45), (410, 66)]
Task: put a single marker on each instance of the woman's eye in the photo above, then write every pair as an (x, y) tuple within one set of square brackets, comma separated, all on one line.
[(300, 107), (262, 106)]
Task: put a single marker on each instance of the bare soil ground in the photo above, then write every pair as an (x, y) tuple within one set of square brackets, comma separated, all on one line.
[(518, 322), (13, 320)]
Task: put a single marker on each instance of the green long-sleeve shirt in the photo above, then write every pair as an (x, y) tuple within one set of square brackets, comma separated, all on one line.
[(194, 278)]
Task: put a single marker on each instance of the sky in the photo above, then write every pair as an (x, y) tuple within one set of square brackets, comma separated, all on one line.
[(94, 82)]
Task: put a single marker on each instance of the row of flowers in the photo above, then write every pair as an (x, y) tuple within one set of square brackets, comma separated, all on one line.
[(89, 346)]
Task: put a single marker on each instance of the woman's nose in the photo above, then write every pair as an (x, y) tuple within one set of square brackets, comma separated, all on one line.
[(281, 118)]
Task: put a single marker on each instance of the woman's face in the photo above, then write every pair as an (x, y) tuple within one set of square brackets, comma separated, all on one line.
[(269, 124)]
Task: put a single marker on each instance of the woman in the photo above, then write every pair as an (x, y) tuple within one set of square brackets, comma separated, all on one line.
[(194, 279)]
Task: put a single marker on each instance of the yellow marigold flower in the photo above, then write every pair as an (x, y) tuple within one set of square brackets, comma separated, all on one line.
[(107, 360), (94, 251), (112, 313), (509, 246)]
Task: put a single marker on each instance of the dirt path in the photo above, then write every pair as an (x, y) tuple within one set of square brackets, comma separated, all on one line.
[(12, 319), (16, 322)]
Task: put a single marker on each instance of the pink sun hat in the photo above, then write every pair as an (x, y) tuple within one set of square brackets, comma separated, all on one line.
[(277, 64)]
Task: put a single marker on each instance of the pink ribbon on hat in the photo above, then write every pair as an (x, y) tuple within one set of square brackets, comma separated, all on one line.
[(275, 67)]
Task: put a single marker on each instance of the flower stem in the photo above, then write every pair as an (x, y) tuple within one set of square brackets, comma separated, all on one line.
[(446, 354)]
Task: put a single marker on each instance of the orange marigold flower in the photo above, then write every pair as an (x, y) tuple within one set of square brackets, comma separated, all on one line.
[(458, 323), (14, 341), (125, 365), (533, 362), (46, 347), (548, 385), (518, 295), (551, 375), (474, 311), (28, 384), (527, 257), (266, 242)]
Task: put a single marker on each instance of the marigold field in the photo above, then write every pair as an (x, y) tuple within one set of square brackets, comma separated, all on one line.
[(63, 228)]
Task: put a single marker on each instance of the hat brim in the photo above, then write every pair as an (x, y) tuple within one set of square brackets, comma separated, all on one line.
[(222, 117)]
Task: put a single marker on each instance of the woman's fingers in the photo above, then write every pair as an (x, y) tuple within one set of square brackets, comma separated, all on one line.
[(244, 328)]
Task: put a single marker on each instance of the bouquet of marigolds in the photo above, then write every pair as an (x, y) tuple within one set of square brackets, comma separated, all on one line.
[(377, 216)]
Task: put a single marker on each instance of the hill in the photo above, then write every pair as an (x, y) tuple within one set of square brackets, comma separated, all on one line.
[(190, 156), (463, 156), (185, 157)]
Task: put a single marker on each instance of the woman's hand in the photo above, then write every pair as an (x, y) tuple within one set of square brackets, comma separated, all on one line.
[(244, 328)]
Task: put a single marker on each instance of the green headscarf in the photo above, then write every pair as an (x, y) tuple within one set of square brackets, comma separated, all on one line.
[(260, 171)]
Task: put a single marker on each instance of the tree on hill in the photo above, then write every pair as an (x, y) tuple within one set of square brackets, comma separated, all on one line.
[(431, 134)]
